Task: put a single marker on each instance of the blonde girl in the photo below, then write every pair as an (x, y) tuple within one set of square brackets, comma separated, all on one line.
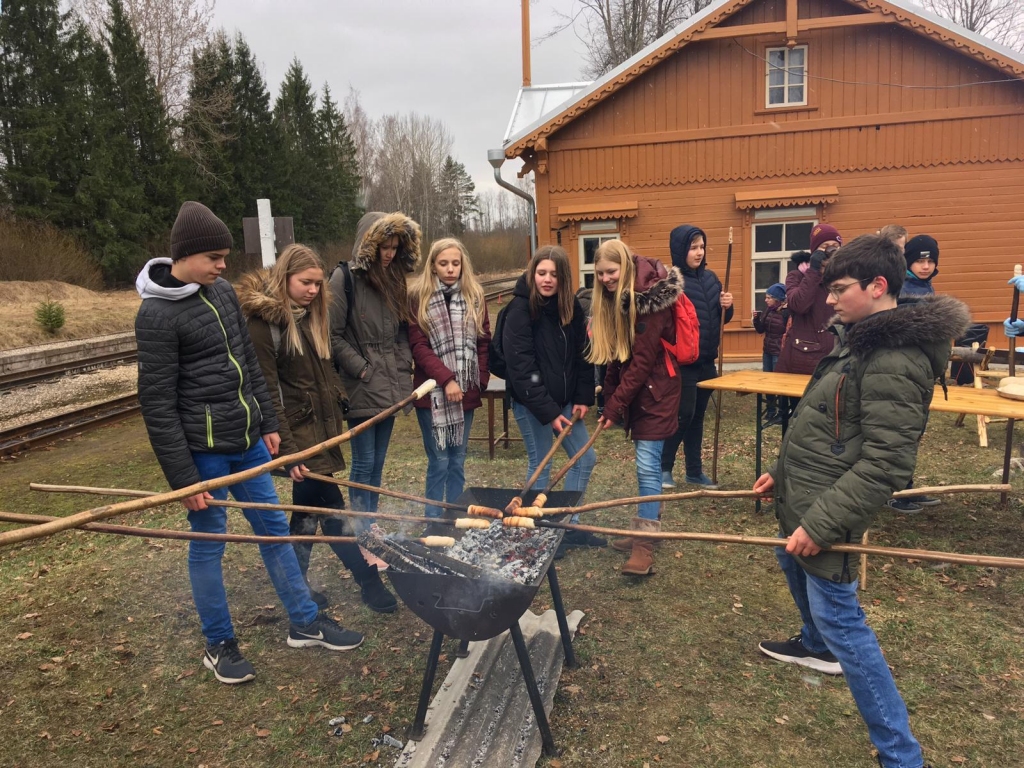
[(632, 312)]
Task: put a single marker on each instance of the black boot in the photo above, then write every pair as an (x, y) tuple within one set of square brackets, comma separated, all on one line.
[(375, 595)]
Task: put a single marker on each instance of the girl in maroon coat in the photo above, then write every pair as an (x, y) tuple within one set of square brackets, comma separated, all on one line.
[(448, 335), (632, 313)]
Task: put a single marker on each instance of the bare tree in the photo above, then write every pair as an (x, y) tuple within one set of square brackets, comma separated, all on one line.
[(170, 30), (363, 130), (615, 30), (1000, 20)]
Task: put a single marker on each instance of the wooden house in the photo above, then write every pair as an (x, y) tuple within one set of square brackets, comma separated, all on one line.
[(766, 116)]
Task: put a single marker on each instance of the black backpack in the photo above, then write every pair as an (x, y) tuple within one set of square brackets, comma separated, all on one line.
[(495, 357)]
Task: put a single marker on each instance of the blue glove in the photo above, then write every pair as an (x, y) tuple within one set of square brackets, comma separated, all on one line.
[(1017, 282), (1013, 328)]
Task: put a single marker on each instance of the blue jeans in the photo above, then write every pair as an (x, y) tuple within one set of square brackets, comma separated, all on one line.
[(648, 475), (446, 469), (833, 621), (538, 439), (369, 449), (204, 557)]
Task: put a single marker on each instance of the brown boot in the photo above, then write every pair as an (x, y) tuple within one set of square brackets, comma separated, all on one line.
[(625, 544), (641, 561)]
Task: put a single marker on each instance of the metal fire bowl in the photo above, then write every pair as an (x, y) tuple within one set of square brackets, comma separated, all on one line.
[(468, 608)]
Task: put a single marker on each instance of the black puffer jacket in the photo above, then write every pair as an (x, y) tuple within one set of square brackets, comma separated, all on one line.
[(704, 289), (546, 367), (200, 384)]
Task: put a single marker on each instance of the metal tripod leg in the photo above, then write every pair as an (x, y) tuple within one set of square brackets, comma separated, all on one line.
[(533, 690), (428, 685), (563, 624)]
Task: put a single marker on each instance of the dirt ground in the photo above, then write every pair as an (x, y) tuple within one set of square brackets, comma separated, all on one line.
[(87, 313), (100, 656)]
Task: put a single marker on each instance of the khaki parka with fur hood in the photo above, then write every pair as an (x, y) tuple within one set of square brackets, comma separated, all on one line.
[(305, 389), (641, 393), (853, 438), (371, 345)]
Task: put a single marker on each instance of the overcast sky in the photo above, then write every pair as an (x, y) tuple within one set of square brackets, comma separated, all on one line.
[(456, 60)]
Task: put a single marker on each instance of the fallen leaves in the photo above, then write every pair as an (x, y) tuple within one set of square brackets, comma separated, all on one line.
[(663, 739), (24, 636)]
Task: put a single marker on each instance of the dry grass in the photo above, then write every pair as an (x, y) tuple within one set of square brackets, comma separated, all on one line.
[(108, 671), (88, 313)]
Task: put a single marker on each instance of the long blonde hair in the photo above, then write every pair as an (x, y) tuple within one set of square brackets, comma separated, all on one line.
[(424, 285), (294, 259), (611, 327), (565, 296)]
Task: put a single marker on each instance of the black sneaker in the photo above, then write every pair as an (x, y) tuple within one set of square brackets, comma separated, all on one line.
[(904, 506), (375, 595), (227, 663), (583, 539), (924, 501), (792, 651), (323, 631), (319, 598)]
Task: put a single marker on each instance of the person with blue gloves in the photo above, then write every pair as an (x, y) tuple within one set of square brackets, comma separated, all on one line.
[(1015, 328)]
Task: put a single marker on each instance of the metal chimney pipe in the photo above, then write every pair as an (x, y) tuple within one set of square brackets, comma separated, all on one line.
[(496, 157)]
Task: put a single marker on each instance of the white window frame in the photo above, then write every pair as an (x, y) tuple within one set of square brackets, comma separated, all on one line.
[(601, 231), (793, 76), (775, 217)]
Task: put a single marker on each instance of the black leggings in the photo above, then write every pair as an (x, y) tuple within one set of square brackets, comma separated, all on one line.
[(317, 493), (690, 426)]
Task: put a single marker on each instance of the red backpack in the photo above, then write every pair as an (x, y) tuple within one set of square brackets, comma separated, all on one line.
[(686, 348)]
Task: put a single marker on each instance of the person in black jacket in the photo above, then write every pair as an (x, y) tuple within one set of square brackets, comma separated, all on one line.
[(208, 415), (687, 245), (549, 379)]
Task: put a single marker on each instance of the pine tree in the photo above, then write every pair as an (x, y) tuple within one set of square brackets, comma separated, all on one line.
[(301, 188), (45, 57), (255, 146), (341, 171), (457, 197)]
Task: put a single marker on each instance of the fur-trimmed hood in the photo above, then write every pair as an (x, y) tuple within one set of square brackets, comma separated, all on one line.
[(374, 228), (655, 287), (931, 324), (254, 296)]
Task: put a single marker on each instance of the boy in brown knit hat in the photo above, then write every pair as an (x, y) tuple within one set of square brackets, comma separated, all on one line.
[(208, 415)]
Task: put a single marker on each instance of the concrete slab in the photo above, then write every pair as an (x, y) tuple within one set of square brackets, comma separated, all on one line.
[(481, 716)]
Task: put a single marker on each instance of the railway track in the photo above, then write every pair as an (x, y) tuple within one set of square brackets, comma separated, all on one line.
[(495, 288), (44, 431), (48, 373)]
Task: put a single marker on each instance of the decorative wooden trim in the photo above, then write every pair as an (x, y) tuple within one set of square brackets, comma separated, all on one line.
[(598, 210), (786, 198), (795, 126)]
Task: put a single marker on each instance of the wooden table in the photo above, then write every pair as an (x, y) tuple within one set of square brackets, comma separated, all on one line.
[(495, 392), (983, 402)]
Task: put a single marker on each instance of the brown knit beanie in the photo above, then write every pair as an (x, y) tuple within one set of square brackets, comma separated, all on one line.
[(197, 230)]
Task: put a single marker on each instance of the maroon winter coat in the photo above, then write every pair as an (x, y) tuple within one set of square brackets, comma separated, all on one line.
[(808, 339), (772, 323), (640, 393), (429, 366)]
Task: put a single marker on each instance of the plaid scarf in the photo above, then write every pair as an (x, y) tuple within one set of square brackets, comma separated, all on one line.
[(451, 328)]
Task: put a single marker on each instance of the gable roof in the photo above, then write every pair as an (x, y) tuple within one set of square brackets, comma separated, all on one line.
[(904, 12)]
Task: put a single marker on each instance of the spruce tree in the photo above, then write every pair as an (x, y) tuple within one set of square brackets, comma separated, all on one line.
[(456, 195), (341, 171), (301, 188)]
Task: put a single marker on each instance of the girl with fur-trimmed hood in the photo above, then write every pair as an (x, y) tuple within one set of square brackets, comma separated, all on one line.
[(286, 309), (632, 313), (369, 336), (449, 333)]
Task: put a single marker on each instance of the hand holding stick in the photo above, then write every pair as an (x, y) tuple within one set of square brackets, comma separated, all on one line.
[(542, 497), (721, 363), (517, 500)]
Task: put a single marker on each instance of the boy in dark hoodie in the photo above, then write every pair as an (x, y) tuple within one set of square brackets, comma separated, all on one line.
[(688, 245), (772, 323), (208, 415), (853, 441)]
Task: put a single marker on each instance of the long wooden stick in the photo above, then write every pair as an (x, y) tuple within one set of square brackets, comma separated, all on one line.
[(326, 511), (122, 508), (517, 500), (167, 533), (721, 364), (384, 491), (572, 462), (766, 541)]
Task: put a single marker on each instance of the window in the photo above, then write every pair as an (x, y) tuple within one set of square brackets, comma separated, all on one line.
[(590, 240), (774, 242), (785, 76)]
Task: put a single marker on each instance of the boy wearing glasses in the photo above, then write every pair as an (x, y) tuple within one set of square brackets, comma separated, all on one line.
[(852, 443)]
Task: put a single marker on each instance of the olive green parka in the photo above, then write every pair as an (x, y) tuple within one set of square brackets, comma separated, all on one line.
[(305, 389), (853, 439)]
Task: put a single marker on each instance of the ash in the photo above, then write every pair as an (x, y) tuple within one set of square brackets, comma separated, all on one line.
[(519, 555), (515, 554)]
